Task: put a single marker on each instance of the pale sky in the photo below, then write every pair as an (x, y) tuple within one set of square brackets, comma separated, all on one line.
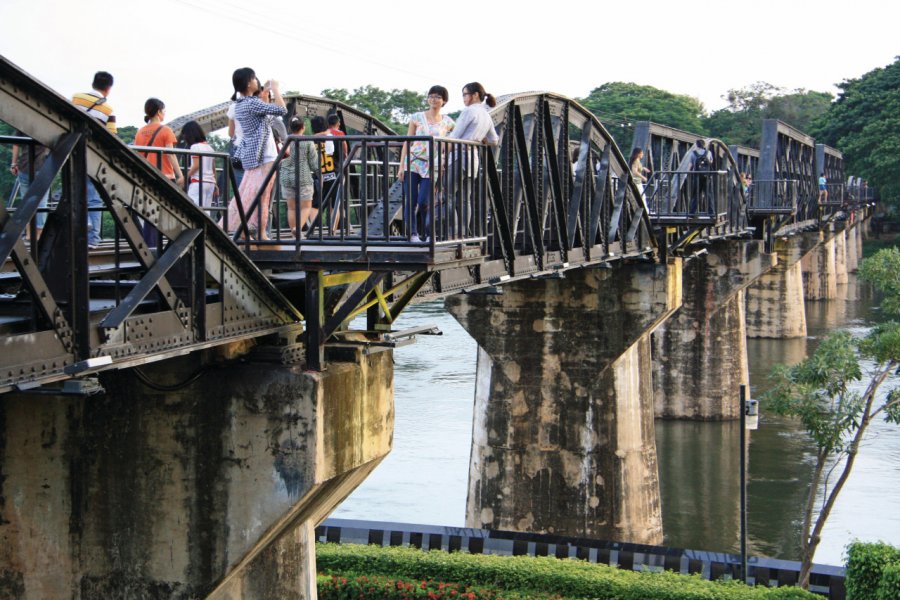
[(184, 51)]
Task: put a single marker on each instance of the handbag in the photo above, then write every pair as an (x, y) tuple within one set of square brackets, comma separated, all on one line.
[(235, 156)]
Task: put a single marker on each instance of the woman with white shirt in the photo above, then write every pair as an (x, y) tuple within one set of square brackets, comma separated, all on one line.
[(202, 172), (473, 124)]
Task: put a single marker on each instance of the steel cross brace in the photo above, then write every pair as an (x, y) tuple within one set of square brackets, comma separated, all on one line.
[(11, 230), (150, 280), (134, 238)]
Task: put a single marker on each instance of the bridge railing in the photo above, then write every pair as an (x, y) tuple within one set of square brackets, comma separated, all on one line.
[(682, 197), (210, 196), (859, 194), (773, 197), (835, 195), (358, 199)]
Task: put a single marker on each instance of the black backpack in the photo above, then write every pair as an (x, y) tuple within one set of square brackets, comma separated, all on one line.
[(701, 161)]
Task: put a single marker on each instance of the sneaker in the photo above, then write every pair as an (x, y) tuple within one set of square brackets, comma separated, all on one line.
[(93, 246), (415, 239)]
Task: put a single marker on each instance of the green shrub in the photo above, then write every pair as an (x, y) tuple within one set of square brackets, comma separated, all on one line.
[(539, 575), (388, 588), (889, 586), (865, 564)]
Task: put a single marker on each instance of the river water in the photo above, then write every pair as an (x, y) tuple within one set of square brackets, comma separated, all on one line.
[(424, 479)]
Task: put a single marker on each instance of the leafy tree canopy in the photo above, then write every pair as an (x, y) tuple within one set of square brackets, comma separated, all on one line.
[(864, 123), (127, 133), (392, 107), (741, 121), (619, 105)]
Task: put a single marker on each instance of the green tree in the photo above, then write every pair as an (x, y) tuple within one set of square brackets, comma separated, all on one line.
[(741, 121), (127, 133), (835, 396), (619, 105), (864, 123), (392, 107)]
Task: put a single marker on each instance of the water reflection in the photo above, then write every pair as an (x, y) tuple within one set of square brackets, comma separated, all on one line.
[(699, 469)]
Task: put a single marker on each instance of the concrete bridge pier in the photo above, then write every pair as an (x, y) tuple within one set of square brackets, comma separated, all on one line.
[(841, 256), (563, 436), (700, 354), (820, 269), (854, 248), (775, 302), (211, 489)]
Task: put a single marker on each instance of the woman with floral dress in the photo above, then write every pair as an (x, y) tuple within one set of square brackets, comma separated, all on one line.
[(417, 188)]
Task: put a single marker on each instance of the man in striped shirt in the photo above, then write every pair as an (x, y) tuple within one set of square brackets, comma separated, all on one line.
[(94, 103)]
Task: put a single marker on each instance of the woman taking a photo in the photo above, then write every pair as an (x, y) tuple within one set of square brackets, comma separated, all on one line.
[(257, 151)]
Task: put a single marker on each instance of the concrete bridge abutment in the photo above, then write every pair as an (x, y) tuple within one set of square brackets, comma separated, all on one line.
[(563, 435), (700, 353), (208, 490)]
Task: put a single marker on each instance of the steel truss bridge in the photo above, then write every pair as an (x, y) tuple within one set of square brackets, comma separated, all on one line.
[(523, 209)]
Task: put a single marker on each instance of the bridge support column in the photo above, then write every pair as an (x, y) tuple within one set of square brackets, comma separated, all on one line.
[(563, 440), (840, 256), (700, 354), (775, 302), (853, 248), (820, 269), (212, 490)]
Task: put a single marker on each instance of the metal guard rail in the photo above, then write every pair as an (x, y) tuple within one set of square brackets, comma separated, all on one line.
[(768, 572), (691, 197)]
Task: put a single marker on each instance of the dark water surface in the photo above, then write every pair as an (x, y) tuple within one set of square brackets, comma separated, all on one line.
[(424, 479)]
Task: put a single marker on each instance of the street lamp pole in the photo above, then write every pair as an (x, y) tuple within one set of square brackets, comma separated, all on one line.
[(743, 445)]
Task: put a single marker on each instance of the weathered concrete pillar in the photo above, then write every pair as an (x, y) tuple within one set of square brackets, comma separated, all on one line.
[(819, 270), (861, 227), (840, 256), (853, 248), (563, 439), (700, 353), (775, 302), (209, 490)]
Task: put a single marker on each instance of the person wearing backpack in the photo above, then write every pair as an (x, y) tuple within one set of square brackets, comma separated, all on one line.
[(701, 164)]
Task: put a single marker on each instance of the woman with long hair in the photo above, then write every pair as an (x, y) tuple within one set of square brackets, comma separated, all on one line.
[(257, 151), (473, 124), (635, 163), (202, 172), (418, 188)]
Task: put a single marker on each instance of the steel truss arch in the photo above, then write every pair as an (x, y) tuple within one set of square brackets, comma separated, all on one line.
[(555, 210), (67, 317), (674, 205)]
